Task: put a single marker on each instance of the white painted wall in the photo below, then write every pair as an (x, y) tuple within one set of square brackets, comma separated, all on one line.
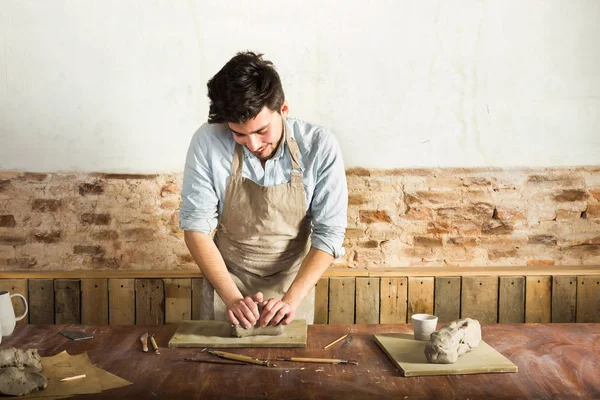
[(121, 85)]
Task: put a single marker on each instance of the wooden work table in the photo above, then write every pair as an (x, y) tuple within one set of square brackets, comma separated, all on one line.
[(554, 361)]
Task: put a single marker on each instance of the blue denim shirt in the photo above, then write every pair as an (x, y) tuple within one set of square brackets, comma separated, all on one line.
[(208, 168)]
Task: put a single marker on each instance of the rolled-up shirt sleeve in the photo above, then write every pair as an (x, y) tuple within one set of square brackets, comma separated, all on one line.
[(329, 205), (199, 208)]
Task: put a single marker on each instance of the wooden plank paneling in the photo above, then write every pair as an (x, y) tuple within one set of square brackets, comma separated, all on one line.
[(178, 302), (420, 295), (564, 299), (511, 307), (94, 301), (341, 300), (322, 301), (479, 298), (17, 286), (121, 301), (588, 298), (149, 302), (41, 301), (197, 298), (394, 295), (537, 299), (447, 298), (367, 300), (67, 301)]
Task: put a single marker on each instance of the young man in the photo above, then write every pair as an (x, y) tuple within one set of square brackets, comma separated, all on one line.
[(273, 192)]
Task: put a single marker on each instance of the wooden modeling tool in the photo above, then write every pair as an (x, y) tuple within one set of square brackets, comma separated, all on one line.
[(72, 378), (318, 360), (154, 345), (238, 357), (334, 342)]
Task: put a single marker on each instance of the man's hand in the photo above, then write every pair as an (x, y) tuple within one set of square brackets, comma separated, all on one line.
[(275, 312), (244, 311)]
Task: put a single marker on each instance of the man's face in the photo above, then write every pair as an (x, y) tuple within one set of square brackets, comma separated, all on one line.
[(261, 134)]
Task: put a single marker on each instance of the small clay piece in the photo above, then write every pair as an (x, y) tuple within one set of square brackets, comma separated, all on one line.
[(19, 382), (452, 341), (240, 331), (19, 372), (12, 357)]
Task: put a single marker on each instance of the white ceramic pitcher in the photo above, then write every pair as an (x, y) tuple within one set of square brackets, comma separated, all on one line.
[(7, 312)]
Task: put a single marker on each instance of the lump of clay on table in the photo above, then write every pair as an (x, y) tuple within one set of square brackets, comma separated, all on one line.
[(240, 332), (20, 372), (453, 340)]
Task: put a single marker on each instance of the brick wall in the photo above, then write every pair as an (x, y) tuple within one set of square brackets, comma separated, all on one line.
[(396, 218)]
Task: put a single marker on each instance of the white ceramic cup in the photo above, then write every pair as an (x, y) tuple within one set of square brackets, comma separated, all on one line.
[(423, 325)]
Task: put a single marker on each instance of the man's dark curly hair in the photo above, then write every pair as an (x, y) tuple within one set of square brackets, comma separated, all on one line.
[(240, 90)]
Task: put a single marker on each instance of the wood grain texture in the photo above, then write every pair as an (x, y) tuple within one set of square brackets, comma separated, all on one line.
[(479, 298), (94, 301), (17, 286), (420, 295), (447, 298), (197, 298), (511, 301), (121, 301), (178, 300), (322, 301), (588, 298), (394, 295), (67, 301), (367, 300), (41, 301), (537, 299), (341, 300), (564, 299), (149, 302)]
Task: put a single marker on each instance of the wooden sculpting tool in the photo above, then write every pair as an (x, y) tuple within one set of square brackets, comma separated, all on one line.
[(334, 342), (144, 340), (72, 378), (238, 357), (154, 345), (318, 360), (215, 361)]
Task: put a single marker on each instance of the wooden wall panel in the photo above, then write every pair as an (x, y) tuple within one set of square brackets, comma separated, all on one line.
[(564, 299), (149, 302), (341, 300), (67, 301), (420, 295), (511, 306), (178, 303), (479, 298), (41, 301), (394, 295), (367, 300), (17, 286), (322, 301), (447, 298), (121, 301), (588, 298), (94, 301), (197, 298), (537, 299)]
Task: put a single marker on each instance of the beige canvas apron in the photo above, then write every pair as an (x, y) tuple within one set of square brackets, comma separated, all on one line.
[(263, 236)]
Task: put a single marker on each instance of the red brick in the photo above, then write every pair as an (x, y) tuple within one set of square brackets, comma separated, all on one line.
[(12, 240), (186, 259), (19, 263), (540, 263), (356, 199), (95, 219), (33, 176), (105, 262), (423, 241), (47, 237), (7, 221), (4, 184), (105, 235), (571, 195), (595, 192), (369, 244), (127, 176), (593, 211), (139, 234), (91, 188), (169, 205), (497, 254), (170, 188), (358, 171), (372, 216), (92, 250), (355, 234), (46, 205), (463, 241), (496, 227), (437, 228), (547, 240), (419, 213)]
